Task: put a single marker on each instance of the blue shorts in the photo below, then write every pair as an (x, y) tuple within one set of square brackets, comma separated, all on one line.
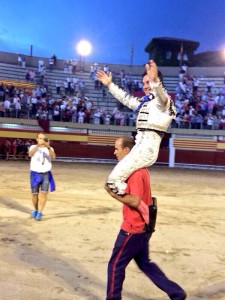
[(43, 186)]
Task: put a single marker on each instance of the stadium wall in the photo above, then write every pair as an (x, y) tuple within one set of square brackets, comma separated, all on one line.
[(87, 141)]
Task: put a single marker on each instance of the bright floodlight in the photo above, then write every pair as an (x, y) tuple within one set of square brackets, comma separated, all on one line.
[(84, 48)]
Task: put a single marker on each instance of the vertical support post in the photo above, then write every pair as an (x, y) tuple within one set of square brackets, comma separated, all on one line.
[(171, 152)]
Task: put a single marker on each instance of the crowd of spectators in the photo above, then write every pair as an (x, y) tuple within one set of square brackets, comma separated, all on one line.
[(197, 108), (35, 104)]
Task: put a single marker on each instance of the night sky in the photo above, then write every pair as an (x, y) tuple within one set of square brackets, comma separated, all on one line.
[(112, 27)]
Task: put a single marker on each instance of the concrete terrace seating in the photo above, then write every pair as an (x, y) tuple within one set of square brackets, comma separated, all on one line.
[(13, 72), (169, 82), (218, 81), (107, 102)]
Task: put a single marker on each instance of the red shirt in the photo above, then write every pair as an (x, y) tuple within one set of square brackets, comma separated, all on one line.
[(137, 184)]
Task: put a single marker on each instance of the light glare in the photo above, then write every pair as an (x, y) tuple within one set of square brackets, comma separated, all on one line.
[(84, 48)]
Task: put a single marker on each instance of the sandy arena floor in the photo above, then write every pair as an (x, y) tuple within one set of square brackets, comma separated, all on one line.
[(64, 257)]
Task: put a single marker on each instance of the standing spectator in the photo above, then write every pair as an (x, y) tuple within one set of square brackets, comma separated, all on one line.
[(122, 78), (58, 86), (209, 85), (210, 105), (23, 62), (217, 122), (223, 111), (33, 102), (27, 145), (81, 115), (92, 72), (40, 65), (41, 177), (18, 109), (97, 83), (32, 75), (107, 118), (19, 60), (88, 106), (2, 110), (195, 82), (97, 116), (66, 87), (51, 62), (2, 92), (54, 58), (7, 107), (56, 113), (222, 123), (106, 69), (20, 148), (74, 64), (7, 148), (14, 148), (209, 121), (132, 118), (27, 76), (199, 121)]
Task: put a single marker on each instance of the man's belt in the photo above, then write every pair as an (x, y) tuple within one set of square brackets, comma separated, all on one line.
[(161, 133)]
